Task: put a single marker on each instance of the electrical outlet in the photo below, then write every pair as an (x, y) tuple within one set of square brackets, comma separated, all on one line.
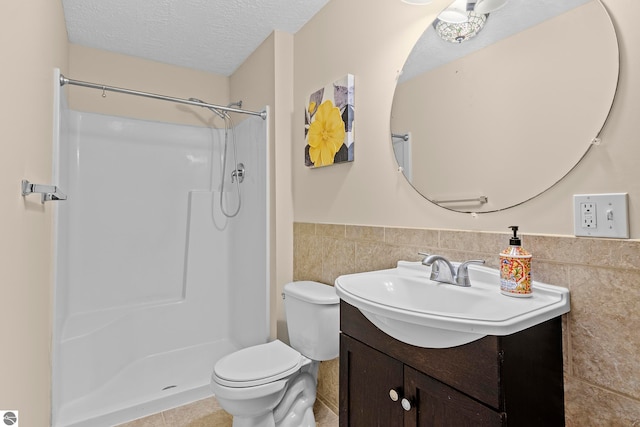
[(601, 215), (588, 215)]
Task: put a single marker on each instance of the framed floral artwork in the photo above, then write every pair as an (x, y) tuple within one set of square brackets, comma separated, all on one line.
[(328, 127)]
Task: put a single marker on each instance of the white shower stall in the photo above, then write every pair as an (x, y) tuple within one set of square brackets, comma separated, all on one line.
[(153, 283)]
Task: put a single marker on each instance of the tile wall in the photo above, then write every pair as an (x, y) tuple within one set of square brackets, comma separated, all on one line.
[(601, 333)]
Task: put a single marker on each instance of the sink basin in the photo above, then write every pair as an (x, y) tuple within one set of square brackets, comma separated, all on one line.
[(405, 304)]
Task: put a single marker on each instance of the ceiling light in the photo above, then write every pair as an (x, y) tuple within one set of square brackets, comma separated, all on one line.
[(456, 13), (460, 32), (488, 6)]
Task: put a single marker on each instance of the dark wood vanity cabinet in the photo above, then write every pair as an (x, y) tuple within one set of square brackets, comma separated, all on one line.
[(514, 380)]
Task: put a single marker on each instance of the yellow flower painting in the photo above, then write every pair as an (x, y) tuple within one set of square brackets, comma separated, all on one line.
[(329, 116), (326, 134)]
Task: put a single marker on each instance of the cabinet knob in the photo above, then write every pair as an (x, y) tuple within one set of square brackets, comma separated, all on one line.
[(406, 404), (393, 394)]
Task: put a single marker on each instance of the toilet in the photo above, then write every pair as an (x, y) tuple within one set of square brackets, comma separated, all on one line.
[(273, 384)]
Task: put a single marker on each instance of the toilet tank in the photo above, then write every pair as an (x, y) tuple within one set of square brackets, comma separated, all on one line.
[(313, 319)]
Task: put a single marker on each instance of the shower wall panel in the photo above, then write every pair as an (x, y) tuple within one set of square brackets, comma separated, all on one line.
[(248, 247), (153, 284), (130, 204)]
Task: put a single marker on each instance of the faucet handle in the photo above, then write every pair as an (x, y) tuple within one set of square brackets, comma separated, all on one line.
[(435, 271), (462, 277), (426, 255)]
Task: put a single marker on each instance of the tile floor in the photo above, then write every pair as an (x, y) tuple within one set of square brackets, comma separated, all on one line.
[(207, 413)]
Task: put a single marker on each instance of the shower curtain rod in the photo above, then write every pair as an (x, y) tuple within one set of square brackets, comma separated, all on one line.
[(104, 88)]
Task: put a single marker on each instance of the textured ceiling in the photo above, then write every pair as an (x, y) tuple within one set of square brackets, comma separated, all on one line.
[(210, 35), (218, 35)]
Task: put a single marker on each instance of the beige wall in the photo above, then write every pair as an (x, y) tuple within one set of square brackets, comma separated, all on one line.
[(282, 198), (265, 79), (33, 41), (113, 69), (373, 46)]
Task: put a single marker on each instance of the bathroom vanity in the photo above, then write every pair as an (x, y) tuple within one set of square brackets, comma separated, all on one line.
[(511, 380)]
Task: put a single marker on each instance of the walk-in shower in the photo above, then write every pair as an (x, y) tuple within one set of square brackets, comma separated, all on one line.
[(153, 283)]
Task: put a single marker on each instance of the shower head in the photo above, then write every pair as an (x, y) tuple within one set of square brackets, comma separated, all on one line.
[(220, 114)]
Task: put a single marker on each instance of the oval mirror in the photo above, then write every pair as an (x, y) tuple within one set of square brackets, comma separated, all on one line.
[(486, 122)]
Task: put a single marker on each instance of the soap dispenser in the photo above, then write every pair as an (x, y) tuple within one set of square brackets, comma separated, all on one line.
[(515, 268)]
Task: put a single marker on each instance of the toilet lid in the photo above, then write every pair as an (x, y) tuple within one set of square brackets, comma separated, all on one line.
[(313, 292), (256, 365)]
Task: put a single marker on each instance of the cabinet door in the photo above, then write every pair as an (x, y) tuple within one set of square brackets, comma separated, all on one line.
[(366, 377), (436, 404)]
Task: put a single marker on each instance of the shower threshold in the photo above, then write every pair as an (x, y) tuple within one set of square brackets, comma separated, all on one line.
[(147, 386)]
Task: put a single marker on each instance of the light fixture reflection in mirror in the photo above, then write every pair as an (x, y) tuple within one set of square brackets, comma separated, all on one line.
[(459, 32), (509, 113)]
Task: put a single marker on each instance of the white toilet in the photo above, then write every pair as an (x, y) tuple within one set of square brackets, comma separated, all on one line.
[(272, 384)]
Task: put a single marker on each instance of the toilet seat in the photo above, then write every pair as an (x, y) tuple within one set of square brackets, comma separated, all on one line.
[(260, 364)]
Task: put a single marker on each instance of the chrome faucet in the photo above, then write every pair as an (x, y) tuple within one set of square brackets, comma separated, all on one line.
[(449, 274)]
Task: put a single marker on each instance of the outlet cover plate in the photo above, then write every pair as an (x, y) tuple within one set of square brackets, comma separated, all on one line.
[(601, 215)]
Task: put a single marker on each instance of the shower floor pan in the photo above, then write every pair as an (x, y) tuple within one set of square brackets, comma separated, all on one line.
[(147, 386)]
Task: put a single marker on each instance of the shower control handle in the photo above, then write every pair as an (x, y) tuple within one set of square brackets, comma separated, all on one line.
[(238, 173)]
